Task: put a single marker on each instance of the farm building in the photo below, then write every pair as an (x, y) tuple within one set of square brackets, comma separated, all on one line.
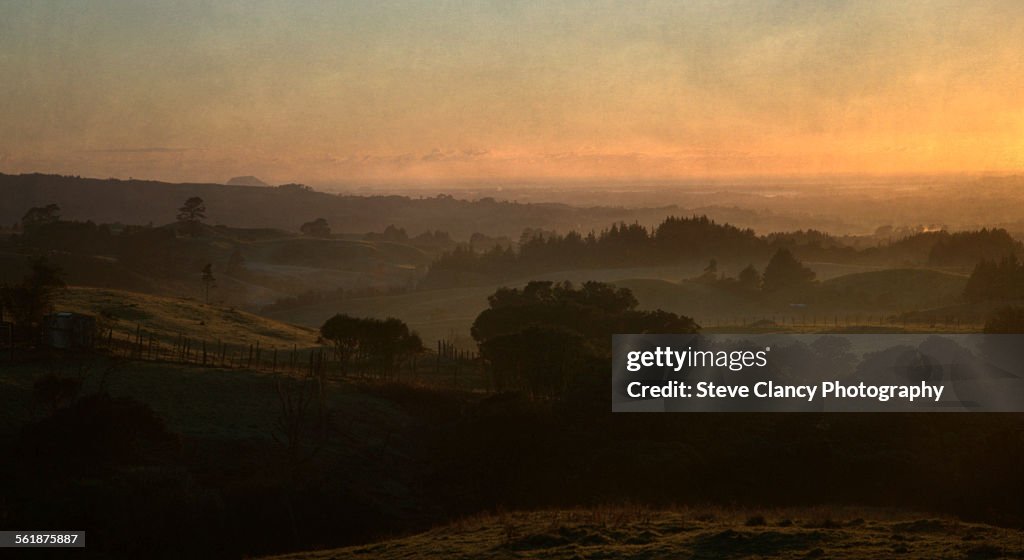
[(69, 331)]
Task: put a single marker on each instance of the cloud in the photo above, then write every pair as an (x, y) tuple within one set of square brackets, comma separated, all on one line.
[(455, 155), (151, 150)]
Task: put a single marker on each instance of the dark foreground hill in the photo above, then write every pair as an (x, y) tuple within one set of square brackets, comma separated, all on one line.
[(696, 534)]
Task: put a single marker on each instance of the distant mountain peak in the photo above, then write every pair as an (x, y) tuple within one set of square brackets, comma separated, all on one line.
[(246, 181)]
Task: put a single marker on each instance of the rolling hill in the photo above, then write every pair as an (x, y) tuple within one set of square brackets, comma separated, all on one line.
[(448, 313), (167, 318), (288, 206), (694, 533), (906, 288)]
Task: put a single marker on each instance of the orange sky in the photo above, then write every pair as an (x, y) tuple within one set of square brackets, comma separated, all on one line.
[(363, 92)]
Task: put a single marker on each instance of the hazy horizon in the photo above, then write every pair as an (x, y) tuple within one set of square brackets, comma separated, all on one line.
[(426, 93)]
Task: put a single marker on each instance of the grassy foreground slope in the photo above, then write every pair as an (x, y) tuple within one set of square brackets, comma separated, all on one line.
[(167, 318), (696, 534)]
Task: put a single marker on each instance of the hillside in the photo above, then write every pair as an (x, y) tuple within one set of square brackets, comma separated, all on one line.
[(906, 288), (252, 266), (167, 318), (229, 423), (442, 313), (288, 206), (695, 533)]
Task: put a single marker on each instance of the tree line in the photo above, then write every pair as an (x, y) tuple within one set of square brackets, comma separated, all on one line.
[(681, 239)]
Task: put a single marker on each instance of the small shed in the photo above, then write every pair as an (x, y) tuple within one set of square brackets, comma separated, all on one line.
[(69, 331)]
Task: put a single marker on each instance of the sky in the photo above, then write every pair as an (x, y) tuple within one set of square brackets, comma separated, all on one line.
[(341, 93)]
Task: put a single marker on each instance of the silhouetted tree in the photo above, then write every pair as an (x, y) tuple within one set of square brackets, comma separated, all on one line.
[(396, 234), (29, 301), (40, 215), (993, 280), (389, 343), (1006, 320), (965, 247), (749, 278), (386, 344), (554, 330), (542, 360), (194, 211), (621, 244), (785, 271), (317, 228), (344, 331)]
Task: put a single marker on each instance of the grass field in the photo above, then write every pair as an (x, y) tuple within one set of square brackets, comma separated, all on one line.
[(697, 533), (434, 314), (167, 318)]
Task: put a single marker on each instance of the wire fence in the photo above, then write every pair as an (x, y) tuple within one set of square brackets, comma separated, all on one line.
[(447, 365)]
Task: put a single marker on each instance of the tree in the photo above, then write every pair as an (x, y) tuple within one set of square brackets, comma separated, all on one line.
[(750, 278), (1006, 320), (344, 332), (193, 212), (29, 301), (557, 331), (785, 271), (389, 343), (991, 280), (317, 228), (39, 216), (555, 356), (208, 281), (385, 343)]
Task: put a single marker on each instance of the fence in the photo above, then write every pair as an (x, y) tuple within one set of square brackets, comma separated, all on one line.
[(448, 366)]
